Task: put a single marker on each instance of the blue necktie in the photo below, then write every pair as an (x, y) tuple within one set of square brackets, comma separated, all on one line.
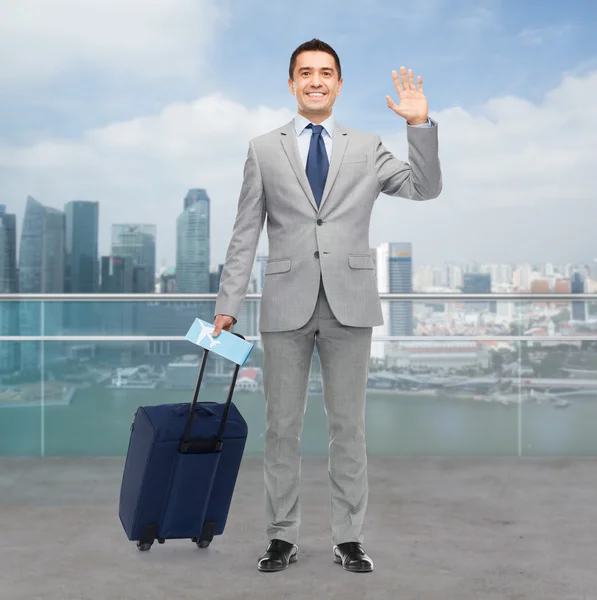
[(317, 162)]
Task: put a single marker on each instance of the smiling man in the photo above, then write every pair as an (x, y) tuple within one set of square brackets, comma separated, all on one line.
[(316, 181)]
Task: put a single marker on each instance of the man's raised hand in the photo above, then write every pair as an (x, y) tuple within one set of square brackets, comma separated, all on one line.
[(412, 102)]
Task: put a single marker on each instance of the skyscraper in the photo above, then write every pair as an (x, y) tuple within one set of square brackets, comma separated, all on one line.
[(117, 275), (118, 318), (41, 270), (81, 276), (400, 281), (478, 283), (9, 315), (192, 244), (8, 252), (138, 242), (81, 247), (577, 286)]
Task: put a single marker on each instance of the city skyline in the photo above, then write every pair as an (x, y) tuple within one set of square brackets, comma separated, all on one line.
[(136, 243)]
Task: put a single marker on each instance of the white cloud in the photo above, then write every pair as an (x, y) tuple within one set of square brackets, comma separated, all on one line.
[(140, 170), (510, 161), (519, 181), (40, 39), (534, 36), (513, 152)]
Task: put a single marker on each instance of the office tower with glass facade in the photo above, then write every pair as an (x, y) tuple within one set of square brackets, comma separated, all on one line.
[(9, 313), (41, 270), (478, 283), (82, 264), (138, 242), (577, 286), (192, 244), (400, 281)]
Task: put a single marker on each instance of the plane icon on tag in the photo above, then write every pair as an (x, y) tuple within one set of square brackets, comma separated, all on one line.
[(206, 332)]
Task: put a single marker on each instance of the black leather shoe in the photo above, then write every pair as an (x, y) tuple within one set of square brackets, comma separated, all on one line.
[(278, 556), (352, 557)]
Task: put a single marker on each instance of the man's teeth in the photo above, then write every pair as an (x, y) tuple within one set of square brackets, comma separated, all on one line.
[(315, 94)]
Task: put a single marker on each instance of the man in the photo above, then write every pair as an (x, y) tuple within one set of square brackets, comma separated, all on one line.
[(317, 181)]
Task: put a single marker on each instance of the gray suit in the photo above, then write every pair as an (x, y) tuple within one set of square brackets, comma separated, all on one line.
[(319, 288)]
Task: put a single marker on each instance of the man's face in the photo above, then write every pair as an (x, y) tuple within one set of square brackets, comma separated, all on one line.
[(315, 84)]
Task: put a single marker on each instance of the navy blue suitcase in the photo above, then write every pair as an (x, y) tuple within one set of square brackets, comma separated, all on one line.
[(181, 469)]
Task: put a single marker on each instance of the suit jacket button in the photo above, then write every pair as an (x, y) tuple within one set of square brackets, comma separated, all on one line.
[(319, 222), (316, 255)]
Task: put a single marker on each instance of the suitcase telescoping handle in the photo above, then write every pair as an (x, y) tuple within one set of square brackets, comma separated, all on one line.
[(216, 445)]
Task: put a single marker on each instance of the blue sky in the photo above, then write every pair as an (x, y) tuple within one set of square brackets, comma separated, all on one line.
[(88, 91)]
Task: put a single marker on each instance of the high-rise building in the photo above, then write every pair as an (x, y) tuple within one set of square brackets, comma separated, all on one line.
[(523, 276), (82, 247), (41, 270), (138, 242), (192, 244), (478, 283), (215, 276), (82, 265), (454, 278), (8, 252), (42, 250), (117, 275), (9, 314), (400, 280), (577, 286)]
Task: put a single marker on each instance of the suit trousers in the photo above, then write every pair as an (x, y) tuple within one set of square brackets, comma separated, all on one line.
[(344, 354)]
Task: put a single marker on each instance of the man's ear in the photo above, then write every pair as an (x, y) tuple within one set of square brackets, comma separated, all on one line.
[(291, 86)]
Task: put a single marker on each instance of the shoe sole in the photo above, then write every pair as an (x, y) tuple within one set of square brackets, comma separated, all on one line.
[(292, 559)]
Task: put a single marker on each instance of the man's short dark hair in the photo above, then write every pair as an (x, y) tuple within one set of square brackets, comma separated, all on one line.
[(310, 46)]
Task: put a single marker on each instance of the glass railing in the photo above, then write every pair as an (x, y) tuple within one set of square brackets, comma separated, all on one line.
[(451, 374)]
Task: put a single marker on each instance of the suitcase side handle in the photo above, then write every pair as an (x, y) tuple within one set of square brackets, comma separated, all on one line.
[(185, 443)]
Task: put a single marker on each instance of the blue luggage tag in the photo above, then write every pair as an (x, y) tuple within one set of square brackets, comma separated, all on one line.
[(227, 344)]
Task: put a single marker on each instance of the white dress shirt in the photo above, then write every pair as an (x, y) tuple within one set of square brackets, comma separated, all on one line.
[(304, 135)]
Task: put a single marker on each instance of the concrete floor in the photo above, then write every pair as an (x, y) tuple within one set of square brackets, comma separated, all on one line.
[(461, 529)]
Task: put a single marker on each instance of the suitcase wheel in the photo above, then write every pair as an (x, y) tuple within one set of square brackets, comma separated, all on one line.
[(203, 543), (143, 546)]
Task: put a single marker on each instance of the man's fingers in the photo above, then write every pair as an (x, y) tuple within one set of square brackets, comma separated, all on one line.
[(391, 103), (396, 81), (222, 323), (403, 78)]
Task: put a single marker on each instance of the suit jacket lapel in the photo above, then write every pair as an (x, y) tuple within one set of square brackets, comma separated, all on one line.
[(290, 146), (289, 143), (340, 141)]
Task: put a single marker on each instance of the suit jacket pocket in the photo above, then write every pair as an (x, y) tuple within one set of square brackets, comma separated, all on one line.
[(279, 265), (360, 261)]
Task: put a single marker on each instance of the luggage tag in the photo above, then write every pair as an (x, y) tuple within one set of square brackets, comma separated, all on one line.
[(226, 344)]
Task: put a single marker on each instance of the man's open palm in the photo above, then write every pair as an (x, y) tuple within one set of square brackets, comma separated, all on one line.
[(412, 102)]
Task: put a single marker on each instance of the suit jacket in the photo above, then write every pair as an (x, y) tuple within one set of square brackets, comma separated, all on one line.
[(331, 242)]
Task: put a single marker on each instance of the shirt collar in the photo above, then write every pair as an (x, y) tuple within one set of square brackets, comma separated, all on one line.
[(301, 122)]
